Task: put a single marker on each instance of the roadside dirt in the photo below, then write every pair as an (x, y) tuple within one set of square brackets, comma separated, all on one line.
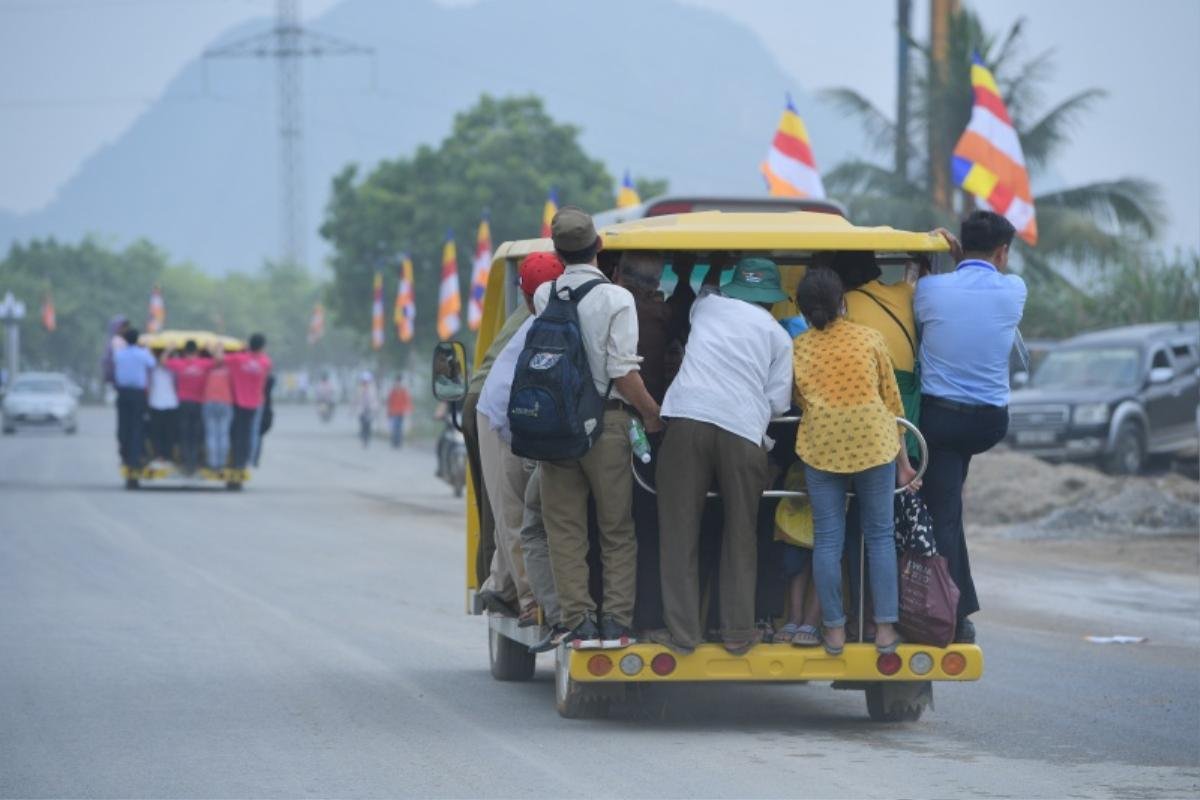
[(1015, 496)]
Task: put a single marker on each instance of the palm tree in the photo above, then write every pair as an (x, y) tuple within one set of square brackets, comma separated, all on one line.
[(1092, 224)]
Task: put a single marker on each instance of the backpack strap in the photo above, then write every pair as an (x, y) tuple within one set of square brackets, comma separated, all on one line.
[(579, 292), (895, 319)]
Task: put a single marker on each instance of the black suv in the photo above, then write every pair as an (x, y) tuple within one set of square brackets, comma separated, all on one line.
[(1113, 396)]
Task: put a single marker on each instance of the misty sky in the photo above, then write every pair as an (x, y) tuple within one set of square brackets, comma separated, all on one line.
[(74, 74)]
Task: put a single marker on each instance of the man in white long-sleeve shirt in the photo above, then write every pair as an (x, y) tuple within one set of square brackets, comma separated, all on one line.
[(736, 375)]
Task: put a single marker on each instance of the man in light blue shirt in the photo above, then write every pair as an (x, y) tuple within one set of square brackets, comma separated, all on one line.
[(131, 372), (968, 323)]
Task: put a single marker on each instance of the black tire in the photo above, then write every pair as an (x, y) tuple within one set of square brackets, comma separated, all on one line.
[(131, 483), (233, 486), (510, 661), (9, 431), (71, 430), (891, 702), (572, 699), (1128, 455)]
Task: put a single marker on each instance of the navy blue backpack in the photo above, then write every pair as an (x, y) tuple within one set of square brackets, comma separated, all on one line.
[(554, 411)]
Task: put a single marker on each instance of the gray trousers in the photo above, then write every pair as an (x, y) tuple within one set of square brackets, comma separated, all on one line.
[(536, 548)]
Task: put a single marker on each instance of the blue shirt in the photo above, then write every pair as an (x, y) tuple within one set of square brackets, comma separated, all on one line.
[(968, 321), (131, 367)]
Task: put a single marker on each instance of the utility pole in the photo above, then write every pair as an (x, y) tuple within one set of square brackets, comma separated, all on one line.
[(12, 311), (288, 43), (904, 34), (940, 13)]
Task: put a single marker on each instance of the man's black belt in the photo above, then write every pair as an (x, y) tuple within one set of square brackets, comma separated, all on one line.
[(965, 408)]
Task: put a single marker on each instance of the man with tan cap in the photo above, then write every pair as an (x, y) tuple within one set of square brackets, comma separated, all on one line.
[(608, 326)]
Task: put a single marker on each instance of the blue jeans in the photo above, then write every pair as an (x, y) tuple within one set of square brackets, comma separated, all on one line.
[(827, 493), (217, 419)]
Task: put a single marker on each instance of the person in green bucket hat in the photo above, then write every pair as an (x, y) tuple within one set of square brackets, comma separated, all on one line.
[(736, 375), (755, 280)]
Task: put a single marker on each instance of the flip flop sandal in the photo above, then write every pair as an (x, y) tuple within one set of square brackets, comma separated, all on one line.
[(787, 633), (890, 647), (830, 649), (529, 616), (806, 636), (739, 647)]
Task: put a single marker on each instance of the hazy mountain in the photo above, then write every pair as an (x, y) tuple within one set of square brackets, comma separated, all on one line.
[(662, 89)]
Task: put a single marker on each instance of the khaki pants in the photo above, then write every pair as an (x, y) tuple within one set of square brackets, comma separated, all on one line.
[(536, 549), (693, 453), (604, 473), (505, 476)]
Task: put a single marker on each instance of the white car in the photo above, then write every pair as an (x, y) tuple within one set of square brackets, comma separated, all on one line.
[(40, 398)]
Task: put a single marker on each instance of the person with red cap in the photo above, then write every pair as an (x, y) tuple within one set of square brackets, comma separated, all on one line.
[(505, 476)]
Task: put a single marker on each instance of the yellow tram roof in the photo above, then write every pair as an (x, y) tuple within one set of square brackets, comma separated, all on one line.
[(717, 230), (175, 340)]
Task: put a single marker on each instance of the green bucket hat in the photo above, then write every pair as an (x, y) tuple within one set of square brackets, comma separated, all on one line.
[(755, 280)]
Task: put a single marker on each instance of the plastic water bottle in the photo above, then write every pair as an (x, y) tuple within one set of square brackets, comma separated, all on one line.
[(637, 438)]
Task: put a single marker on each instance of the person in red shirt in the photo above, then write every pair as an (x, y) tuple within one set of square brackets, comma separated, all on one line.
[(248, 371), (399, 406), (190, 372)]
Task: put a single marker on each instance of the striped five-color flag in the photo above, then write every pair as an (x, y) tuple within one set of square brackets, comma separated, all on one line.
[(988, 161), (628, 194), (481, 268), (405, 312), (377, 311), (548, 212), (790, 169), (449, 317)]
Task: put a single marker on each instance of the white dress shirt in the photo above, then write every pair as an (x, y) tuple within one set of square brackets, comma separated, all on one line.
[(608, 323), (497, 388), (737, 368)]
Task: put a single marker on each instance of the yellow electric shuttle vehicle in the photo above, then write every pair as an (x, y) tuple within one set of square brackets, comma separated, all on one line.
[(165, 467), (897, 686)]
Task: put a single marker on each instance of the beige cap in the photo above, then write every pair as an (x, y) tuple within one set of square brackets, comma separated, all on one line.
[(572, 230)]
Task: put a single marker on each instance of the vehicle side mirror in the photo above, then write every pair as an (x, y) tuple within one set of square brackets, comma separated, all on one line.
[(1161, 375), (1020, 379), (449, 371)]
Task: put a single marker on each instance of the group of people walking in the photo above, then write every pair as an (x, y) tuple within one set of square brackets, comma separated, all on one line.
[(194, 408), (705, 373)]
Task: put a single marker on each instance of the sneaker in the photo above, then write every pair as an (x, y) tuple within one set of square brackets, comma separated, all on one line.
[(551, 640), (613, 634), (585, 635)]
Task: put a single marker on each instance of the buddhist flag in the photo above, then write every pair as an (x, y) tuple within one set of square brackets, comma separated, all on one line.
[(49, 318), (157, 316), (988, 161), (790, 169), (449, 299), (481, 268), (316, 324), (628, 195), (548, 212), (377, 312), (405, 313)]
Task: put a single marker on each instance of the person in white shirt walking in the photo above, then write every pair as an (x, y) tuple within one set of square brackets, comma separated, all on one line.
[(505, 475), (736, 376)]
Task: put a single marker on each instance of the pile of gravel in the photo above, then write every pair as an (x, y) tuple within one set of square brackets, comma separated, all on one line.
[(1015, 495)]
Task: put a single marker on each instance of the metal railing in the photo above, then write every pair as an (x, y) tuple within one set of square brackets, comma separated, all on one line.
[(778, 493)]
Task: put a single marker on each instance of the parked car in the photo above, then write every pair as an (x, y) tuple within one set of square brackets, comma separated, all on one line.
[(1114, 396), (41, 398)]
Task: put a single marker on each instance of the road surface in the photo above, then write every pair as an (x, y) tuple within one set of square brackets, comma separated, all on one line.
[(306, 637)]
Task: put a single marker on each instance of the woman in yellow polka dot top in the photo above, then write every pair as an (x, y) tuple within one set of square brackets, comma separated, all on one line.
[(848, 438)]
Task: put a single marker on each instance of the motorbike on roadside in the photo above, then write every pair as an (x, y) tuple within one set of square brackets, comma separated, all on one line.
[(452, 459)]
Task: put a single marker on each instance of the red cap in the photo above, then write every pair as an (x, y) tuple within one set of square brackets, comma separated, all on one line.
[(538, 268)]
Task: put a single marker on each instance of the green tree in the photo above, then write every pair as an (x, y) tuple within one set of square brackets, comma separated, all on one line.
[(651, 187), (502, 155), (1098, 223), (91, 283)]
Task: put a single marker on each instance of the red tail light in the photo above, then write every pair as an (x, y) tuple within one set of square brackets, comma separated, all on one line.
[(889, 663), (663, 664), (662, 209)]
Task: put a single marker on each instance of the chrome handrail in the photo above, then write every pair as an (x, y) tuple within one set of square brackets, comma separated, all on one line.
[(773, 493)]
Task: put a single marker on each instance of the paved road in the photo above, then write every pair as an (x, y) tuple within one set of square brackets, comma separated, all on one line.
[(306, 638)]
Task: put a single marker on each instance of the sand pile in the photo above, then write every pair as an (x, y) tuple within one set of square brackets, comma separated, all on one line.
[(1015, 495)]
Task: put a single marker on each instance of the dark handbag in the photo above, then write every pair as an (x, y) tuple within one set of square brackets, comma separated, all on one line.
[(914, 525), (928, 600)]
